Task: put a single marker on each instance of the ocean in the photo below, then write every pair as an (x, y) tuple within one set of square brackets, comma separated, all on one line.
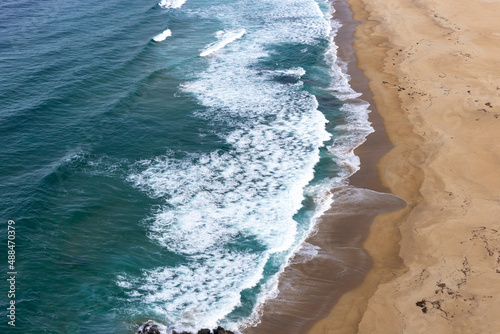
[(166, 160)]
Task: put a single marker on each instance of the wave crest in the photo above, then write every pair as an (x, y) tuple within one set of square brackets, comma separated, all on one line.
[(162, 36), (225, 38), (171, 3)]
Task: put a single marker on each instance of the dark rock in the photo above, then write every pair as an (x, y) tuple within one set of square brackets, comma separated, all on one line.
[(204, 331), (221, 330), (150, 327)]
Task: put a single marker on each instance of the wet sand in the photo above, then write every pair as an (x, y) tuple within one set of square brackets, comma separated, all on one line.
[(434, 73), (310, 288)]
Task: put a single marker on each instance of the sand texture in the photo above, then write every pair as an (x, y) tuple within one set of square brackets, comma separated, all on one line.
[(434, 70)]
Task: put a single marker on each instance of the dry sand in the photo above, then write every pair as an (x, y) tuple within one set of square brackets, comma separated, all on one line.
[(434, 70)]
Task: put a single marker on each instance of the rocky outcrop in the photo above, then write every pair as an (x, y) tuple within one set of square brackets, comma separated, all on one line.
[(220, 330), (151, 327), (204, 331)]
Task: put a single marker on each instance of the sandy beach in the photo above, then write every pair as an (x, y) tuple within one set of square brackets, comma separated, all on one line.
[(434, 72)]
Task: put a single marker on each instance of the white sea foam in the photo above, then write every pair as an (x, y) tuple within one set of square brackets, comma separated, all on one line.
[(225, 37), (249, 193), (349, 136), (357, 126), (305, 253), (227, 212), (171, 3), (297, 72), (183, 294), (163, 36)]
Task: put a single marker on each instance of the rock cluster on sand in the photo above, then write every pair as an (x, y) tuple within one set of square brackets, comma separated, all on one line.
[(151, 327)]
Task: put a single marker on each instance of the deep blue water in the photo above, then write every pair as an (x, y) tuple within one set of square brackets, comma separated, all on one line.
[(164, 177)]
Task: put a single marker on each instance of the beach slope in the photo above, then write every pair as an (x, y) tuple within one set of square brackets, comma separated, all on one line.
[(434, 70)]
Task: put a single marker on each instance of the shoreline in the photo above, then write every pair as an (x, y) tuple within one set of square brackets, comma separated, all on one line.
[(342, 263), (435, 79)]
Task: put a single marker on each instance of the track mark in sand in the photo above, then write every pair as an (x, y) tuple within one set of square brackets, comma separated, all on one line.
[(490, 239), (466, 271), (451, 297), (425, 304)]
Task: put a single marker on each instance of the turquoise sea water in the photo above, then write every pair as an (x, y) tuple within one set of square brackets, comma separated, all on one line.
[(164, 161)]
